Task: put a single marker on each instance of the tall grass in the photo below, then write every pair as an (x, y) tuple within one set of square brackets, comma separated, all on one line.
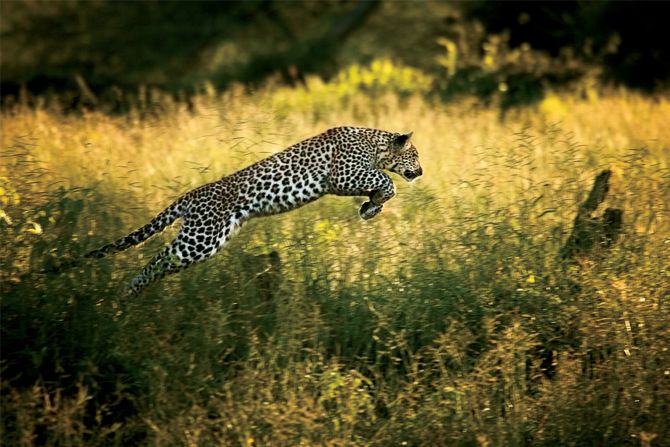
[(446, 320)]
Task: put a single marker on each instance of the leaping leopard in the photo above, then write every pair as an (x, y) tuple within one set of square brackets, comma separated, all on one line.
[(345, 161)]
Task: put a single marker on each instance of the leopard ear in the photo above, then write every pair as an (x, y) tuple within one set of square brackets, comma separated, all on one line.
[(400, 141)]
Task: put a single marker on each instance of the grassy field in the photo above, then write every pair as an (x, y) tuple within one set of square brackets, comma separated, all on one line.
[(449, 319)]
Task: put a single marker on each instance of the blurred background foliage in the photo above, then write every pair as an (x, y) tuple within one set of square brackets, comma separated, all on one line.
[(98, 52)]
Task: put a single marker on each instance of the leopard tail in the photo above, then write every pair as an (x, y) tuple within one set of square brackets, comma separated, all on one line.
[(157, 224)]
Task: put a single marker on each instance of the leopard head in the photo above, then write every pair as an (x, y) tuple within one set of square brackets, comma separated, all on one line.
[(401, 157)]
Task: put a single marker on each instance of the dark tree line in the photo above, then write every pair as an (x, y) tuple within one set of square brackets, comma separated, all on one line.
[(629, 38), (48, 45), (87, 47)]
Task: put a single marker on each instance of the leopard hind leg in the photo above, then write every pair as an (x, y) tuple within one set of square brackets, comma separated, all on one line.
[(184, 251)]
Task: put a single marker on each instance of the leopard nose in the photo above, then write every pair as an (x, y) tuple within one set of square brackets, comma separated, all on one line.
[(410, 175)]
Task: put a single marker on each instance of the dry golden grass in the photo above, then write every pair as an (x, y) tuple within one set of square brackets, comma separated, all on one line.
[(447, 320)]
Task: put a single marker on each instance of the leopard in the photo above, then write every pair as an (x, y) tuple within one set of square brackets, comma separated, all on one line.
[(342, 161)]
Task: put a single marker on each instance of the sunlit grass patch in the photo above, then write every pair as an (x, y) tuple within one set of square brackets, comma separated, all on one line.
[(447, 320)]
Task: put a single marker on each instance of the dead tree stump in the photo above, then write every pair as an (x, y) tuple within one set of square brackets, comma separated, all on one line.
[(588, 232)]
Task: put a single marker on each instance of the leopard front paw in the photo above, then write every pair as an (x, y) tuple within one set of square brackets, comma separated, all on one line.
[(369, 210)]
